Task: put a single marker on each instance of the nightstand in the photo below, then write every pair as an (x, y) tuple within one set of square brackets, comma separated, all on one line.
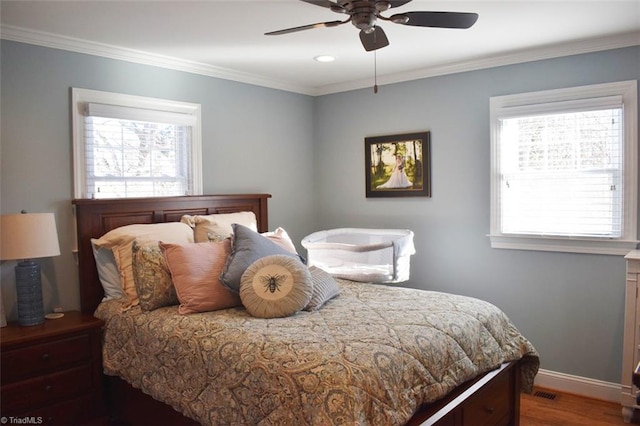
[(52, 372)]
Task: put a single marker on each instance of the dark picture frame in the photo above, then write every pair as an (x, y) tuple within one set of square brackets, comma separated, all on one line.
[(398, 165)]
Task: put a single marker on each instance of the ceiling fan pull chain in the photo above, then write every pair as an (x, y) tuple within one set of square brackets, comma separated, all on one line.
[(375, 71)]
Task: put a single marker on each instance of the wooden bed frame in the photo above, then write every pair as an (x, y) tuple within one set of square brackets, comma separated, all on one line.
[(490, 399)]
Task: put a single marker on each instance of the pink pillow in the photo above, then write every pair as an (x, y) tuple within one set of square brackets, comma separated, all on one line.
[(195, 271)]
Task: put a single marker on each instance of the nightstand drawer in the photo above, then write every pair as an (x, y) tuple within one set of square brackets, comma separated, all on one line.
[(35, 359), (53, 371), (44, 390)]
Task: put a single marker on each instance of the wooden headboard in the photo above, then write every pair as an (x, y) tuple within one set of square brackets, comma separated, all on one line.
[(94, 218)]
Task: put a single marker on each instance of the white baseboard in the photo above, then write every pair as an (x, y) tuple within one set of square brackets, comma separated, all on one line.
[(584, 386)]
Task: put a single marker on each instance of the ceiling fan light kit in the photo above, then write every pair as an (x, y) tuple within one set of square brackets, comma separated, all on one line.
[(399, 18), (364, 14)]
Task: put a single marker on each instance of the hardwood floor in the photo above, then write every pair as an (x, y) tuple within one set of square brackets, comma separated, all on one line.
[(538, 409)]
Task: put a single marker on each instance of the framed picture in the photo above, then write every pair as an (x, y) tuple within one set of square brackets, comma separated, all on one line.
[(398, 165)]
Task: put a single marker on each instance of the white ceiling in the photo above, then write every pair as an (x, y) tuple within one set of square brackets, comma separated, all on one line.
[(226, 38)]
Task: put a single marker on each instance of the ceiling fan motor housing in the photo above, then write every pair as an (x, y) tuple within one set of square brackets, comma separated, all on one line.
[(351, 5), (364, 21), (364, 13)]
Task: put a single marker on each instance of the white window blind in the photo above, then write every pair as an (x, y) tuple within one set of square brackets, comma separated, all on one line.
[(139, 114), (136, 147), (564, 172)]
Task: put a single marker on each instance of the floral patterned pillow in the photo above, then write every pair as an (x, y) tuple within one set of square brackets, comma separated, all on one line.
[(217, 227), (152, 277), (120, 241)]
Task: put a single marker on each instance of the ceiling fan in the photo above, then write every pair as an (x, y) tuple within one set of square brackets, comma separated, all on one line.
[(363, 14)]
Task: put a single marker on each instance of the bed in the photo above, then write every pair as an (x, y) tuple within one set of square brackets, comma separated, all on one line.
[(369, 356)]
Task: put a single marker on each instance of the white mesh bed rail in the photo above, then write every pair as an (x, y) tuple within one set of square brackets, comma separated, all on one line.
[(359, 254)]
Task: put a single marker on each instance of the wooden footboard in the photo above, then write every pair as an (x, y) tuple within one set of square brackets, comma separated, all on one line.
[(128, 406), (492, 399)]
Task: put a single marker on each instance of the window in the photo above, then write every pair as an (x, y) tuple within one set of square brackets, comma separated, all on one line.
[(131, 146), (564, 169)]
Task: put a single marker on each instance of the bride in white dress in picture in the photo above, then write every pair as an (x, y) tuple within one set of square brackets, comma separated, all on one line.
[(398, 177)]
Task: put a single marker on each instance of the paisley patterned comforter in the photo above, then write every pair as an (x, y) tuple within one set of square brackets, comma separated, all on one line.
[(372, 355)]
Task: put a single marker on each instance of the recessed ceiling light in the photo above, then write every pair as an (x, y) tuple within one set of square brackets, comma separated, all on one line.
[(324, 58)]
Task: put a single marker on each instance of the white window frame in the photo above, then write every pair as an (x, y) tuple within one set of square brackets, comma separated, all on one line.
[(81, 97), (499, 107)]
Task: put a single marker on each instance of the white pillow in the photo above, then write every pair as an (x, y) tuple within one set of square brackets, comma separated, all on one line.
[(280, 237)]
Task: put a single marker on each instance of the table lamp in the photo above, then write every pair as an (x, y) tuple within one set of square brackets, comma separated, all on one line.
[(25, 237)]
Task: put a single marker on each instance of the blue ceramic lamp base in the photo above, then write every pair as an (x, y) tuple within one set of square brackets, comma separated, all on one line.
[(29, 293)]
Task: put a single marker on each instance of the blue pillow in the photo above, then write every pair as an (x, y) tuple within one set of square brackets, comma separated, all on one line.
[(325, 287), (107, 272), (247, 247)]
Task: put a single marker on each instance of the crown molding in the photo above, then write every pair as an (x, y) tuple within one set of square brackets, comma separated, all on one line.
[(56, 41), (511, 58)]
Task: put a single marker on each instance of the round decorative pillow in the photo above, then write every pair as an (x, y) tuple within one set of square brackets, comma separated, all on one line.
[(276, 286)]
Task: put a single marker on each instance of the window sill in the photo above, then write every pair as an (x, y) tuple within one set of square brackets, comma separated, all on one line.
[(614, 247)]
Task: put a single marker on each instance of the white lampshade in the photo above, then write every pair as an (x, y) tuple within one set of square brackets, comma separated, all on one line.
[(28, 236)]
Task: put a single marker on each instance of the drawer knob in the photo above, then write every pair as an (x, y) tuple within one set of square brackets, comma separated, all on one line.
[(489, 410), (48, 388), (46, 357)]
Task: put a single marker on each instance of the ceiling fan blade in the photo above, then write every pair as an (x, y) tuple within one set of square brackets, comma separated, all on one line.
[(322, 3), (397, 3), (439, 19), (375, 40), (307, 27)]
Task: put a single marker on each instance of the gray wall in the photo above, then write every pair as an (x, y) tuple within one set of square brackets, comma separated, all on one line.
[(569, 305), (254, 140), (309, 153)]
